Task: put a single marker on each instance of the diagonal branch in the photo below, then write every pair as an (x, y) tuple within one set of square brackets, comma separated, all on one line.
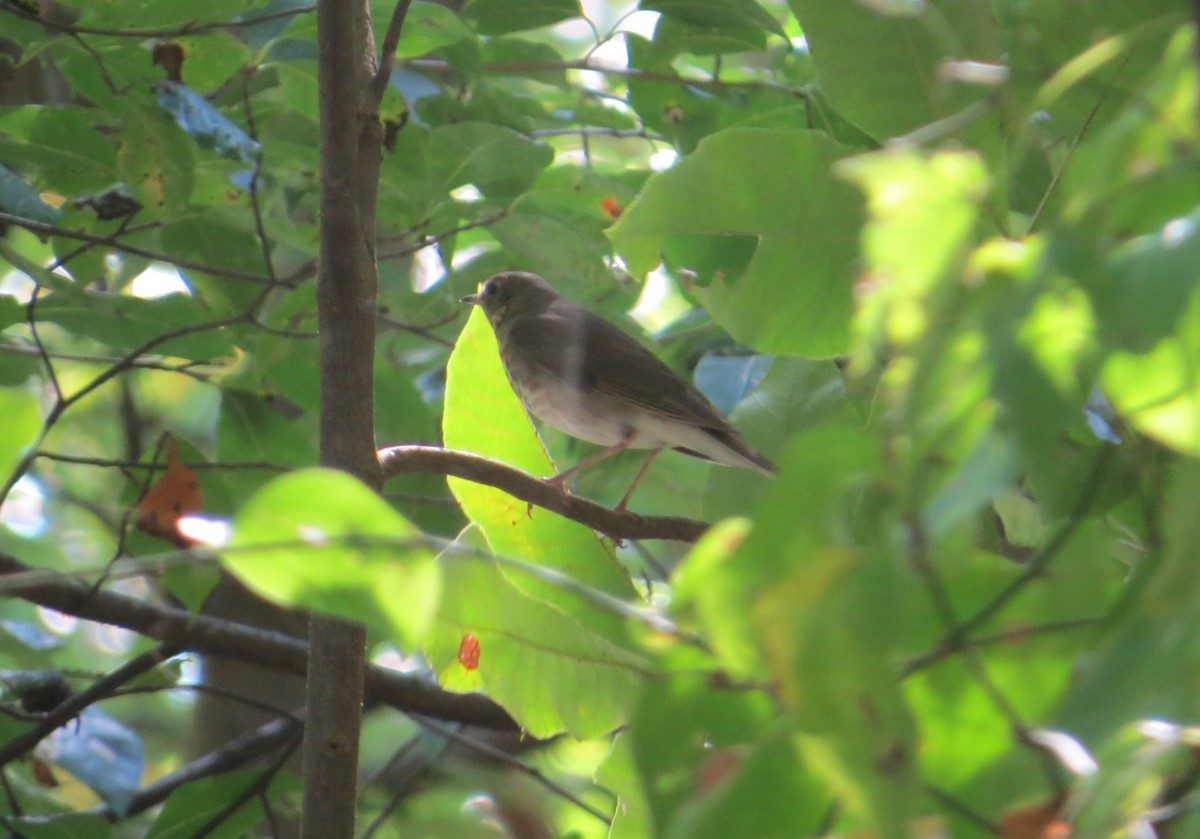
[(69, 709), (278, 733), (202, 634), (619, 524)]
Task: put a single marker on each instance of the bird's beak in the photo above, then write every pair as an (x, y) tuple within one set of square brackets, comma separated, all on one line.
[(470, 298)]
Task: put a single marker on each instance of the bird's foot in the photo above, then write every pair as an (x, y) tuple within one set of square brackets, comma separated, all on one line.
[(558, 482)]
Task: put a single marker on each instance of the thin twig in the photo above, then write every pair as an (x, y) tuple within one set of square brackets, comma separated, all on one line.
[(100, 65), (524, 67), (100, 689), (260, 228), (423, 331), (256, 788), (918, 552), (400, 784), (127, 515), (953, 641), (184, 368), (109, 463), (235, 753), (173, 32), (387, 58), (31, 321), (125, 247), (1056, 176), (599, 131), (214, 690), (509, 760), (435, 238)]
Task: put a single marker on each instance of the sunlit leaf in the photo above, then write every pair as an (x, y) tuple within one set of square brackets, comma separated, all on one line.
[(22, 422), (793, 295), (322, 540), (547, 668)]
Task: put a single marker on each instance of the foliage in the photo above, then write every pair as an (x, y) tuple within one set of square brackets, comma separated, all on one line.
[(956, 246)]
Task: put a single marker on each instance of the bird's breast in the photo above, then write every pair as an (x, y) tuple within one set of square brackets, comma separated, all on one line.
[(564, 404)]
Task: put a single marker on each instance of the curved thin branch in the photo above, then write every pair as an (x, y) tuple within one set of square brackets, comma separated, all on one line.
[(619, 524), (387, 57), (183, 368), (438, 65), (109, 463), (199, 633), (75, 704), (117, 245), (278, 733), (165, 32)]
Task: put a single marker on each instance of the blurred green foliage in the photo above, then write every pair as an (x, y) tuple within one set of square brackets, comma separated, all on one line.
[(964, 234)]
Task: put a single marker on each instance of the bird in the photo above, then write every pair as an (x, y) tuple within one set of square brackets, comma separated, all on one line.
[(577, 372)]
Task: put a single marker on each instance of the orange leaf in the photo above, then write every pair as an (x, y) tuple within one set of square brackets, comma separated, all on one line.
[(1037, 822), (43, 774), (611, 208), (468, 652), (718, 766), (176, 494)]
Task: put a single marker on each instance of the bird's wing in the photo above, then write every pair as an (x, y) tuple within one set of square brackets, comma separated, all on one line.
[(578, 346)]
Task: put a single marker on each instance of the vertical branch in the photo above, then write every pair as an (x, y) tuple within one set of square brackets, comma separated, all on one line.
[(346, 291), (346, 281)]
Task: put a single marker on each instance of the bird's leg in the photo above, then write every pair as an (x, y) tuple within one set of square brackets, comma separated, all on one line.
[(559, 481), (637, 478)]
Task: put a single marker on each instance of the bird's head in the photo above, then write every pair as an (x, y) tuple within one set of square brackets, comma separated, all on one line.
[(513, 294)]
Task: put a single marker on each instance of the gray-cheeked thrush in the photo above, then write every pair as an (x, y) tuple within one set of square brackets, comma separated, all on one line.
[(582, 375)]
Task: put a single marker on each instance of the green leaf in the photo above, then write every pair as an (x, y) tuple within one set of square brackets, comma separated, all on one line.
[(428, 26), (776, 186), (320, 539), (483, 415), (62, 826), (21, 426), (500, 17), (164, 13), (704, 756), (930, 199), (1159, 392), (1136, 765), (796, 394), (1146, 285), (498, 161), (548, 670), (1148, 666), (20, 199), (194, 805), (718, 14), (155, 159), (212, 58), (298, 84), (125, 322), (809, 602), (70, 153), (218, 240), (882, 72)]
